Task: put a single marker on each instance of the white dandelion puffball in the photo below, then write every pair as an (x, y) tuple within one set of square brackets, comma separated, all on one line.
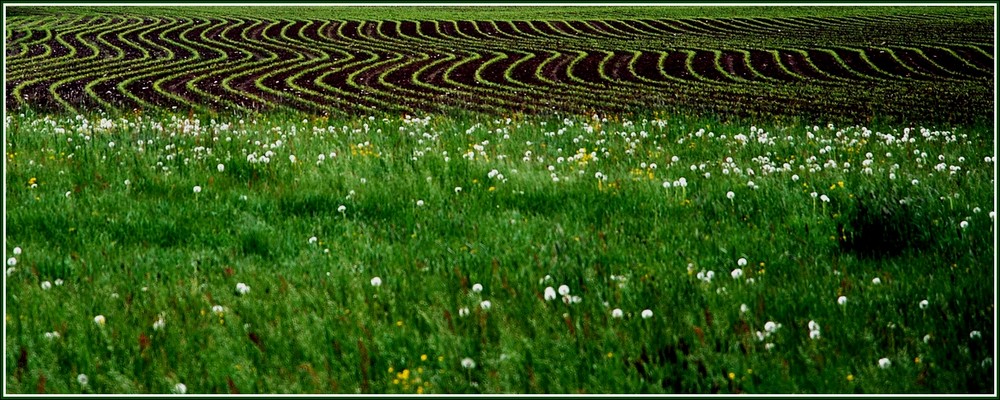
[(884, 363), (341, 209), (313, 240), (563, 290), (730, 195), (82, 379), (197, 189), (876, 281), (741, 262), (159, 324), (647, 313), (376, 281), (218, 309), (813, 326), (924, 304), (100, 320), (842, 300), (11, 262), (17, 251), (468, 363), (477, 288), (617, 313), (485, 304), (46, 285), (463, 312), (963, 224), (737, 273), (814, 335), (221, 168), (420, 203), (181, 388), (242, 288), (744, 308), (770, 326), (975, 335), (550, 294)]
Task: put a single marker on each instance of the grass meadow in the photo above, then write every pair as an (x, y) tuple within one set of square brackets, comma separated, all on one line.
[(466, 253)]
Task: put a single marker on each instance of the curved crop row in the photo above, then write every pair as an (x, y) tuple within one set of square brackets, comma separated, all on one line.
[(724, 65)]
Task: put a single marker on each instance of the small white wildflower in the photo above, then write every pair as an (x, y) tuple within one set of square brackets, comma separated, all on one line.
[(975, 335), (744, 308), (59, 282), (159, 324), (180, 388), (313, 240), (814, 335), (52, 335), (550, 294), (242, 288), (884, 363), (927, 338), (924, 304), (876, 281), (769, 346), (376, 281), (100, 320), (463, 312)]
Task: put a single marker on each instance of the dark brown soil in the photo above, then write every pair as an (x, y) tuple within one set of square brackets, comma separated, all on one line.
[(397, 66)]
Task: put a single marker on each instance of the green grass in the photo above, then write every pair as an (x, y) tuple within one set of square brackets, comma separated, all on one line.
[(312, 321)]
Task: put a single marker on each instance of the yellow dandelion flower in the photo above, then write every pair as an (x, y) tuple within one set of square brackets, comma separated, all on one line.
[(391, 369), (850, 377), (399, 323), (611, 355), (732, 375), (423, 357)]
